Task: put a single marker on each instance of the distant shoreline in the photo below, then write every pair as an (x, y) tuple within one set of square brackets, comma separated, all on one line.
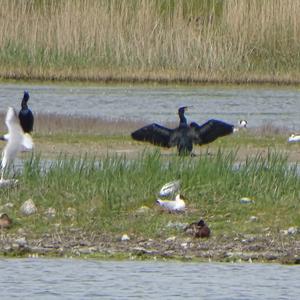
[(137, 77)]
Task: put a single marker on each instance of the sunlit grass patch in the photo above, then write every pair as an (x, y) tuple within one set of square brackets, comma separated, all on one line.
[(103, 195)]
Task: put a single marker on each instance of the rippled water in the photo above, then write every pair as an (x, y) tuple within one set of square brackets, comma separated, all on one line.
[(91, 279), (259, 105)]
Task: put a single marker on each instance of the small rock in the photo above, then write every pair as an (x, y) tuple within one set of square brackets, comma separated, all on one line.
[(8, 205), (170, 239), (184, 245), (28, 208), (71, 212), (21, 231), (292, 230), (50, 213), (21, 242), (177, 225), (246, 200), (5, 183), (125, 238), (143, 210)]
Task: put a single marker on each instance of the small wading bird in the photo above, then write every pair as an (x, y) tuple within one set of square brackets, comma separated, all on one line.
[(198, 229), (184, 136), (25, 115), (16, 141), (294, 138), (177, 205)]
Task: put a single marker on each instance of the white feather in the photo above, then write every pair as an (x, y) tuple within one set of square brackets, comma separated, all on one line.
[(169, 189)]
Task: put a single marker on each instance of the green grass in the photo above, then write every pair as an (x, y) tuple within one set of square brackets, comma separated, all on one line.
[(107, 192)]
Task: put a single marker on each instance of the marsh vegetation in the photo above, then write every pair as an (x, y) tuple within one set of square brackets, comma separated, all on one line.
[(166, 40)]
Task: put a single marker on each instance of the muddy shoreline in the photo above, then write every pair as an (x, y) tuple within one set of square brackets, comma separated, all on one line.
[(264, 248)]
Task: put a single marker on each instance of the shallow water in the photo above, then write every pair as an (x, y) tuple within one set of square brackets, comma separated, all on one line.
[(259, 105), (91, 279)]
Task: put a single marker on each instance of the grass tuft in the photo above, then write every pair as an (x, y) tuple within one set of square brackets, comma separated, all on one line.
[(107, 192)]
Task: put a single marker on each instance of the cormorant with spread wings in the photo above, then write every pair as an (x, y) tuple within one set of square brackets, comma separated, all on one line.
[(184, 136)]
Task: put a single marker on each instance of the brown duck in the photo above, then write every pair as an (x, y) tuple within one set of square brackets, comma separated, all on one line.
[(198, 229), (5, 221)]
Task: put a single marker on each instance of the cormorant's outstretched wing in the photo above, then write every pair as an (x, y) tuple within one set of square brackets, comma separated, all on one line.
[(155, 134), (209, 131)]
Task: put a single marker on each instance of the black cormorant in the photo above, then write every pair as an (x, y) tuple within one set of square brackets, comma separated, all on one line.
[(25, 115), (184, 136)]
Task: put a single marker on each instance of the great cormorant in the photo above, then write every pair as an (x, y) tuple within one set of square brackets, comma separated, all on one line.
[(184, 136), (16, 140), (25, 115)]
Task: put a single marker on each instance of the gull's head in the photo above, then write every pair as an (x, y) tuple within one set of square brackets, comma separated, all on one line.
[(242, 123)]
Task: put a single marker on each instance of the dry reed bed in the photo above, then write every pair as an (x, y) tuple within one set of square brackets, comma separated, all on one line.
[(241, 41)]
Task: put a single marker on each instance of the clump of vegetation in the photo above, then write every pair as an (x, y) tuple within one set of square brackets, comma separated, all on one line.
[(166, 40), (105, 194)]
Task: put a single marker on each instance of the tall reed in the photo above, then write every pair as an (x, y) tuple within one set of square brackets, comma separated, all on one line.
[(150, 40)]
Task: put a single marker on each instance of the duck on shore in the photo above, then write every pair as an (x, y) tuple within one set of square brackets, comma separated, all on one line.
[(5, 221), (198, 229)]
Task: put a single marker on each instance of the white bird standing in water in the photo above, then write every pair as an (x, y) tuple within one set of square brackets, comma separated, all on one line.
[(172, 205), (294, 138), (16, 141)]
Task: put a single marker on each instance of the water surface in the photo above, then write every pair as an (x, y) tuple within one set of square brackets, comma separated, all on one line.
[(91, 279), (259, 105)]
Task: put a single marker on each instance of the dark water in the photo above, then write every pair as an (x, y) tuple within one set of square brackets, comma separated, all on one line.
[(89, 279), (259, 105)]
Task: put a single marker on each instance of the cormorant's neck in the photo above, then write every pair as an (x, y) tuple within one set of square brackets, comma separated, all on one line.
[(24, 104), (183, 121)]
